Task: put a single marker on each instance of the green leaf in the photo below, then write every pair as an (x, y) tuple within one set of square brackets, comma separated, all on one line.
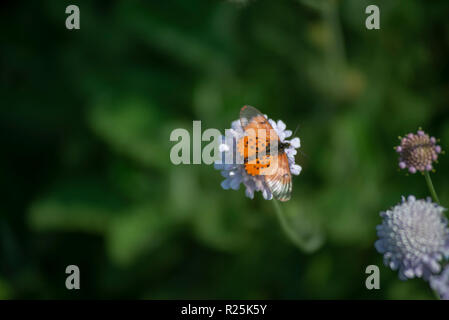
[(131, 127), (83, 205), (137, 231)]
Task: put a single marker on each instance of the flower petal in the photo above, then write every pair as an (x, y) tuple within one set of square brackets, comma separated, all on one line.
[(295, 142), (281, 126)]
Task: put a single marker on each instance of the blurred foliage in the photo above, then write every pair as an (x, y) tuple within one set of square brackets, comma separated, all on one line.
[(85, 121)]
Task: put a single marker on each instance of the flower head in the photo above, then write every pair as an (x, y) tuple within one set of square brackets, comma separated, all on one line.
[(417, 152), (235, 173), (440, 283), (413, 238)]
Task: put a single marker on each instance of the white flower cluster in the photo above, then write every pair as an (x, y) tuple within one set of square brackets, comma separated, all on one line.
[(235, 174), (414, 238)]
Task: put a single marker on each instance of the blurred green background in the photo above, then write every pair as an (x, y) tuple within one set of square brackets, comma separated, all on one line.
[(85, 121)]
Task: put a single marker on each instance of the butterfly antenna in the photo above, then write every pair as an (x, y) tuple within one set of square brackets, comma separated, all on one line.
[(305, 155), (294, 133)]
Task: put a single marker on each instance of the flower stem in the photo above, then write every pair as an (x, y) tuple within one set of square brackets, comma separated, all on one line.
[(284, 223), (305, 243), (431, 188)]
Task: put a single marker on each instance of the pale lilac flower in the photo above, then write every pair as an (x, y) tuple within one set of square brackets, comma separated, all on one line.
[(235, 174), (440, 283), (418, 152), (413, 238)]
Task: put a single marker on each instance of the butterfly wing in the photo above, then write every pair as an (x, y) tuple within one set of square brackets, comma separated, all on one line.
[(259, 133), (280, 182), (251, 118), (259, 166), (254, 144)]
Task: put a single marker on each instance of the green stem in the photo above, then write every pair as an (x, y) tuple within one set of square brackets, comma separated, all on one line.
[(331, 15), (284, 224), (431, 188), (305, 243)]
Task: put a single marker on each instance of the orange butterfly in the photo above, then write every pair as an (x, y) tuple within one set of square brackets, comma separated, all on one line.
[(264, 154)]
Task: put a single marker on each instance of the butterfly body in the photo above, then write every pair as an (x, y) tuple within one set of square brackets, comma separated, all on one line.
[(264, 154)]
